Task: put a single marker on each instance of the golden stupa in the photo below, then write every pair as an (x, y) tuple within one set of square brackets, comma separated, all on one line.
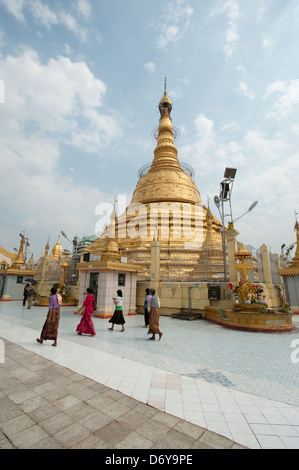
[(57, 252), (166, 206)]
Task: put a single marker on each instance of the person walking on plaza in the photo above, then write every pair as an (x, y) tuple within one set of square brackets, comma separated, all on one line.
[(50, 329), (25, 294), (154, 316), (118, 317), (147, 308), (86, 324), (30, 296)]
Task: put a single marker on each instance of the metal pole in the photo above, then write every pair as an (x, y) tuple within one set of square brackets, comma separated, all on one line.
[(223, 241)]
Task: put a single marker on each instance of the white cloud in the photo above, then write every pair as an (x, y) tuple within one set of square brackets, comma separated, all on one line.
[(265, 149), (72, 25), (245, 91), (49, 95), (15, 7), (42, 13), (231, 126), (150, 67), (48, 17), (241, 69), (267, 42), (295, 130), (47, 106), (176, 19), (84, 8), (260, 14), (268, 168), (288, 97), (275, 87), (232, 10), (177, 91)]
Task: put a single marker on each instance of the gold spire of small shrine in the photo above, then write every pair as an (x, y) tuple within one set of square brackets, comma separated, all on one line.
[(111, 251), (19, 261)]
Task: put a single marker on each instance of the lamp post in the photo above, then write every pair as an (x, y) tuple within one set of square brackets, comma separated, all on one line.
[(226, 187), (217, 203), (73, 262), (249, 210)]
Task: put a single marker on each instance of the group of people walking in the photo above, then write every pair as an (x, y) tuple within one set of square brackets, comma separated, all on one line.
[(86, 326)]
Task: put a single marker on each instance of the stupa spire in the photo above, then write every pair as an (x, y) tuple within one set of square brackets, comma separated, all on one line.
[(166, 180), (166, 154)]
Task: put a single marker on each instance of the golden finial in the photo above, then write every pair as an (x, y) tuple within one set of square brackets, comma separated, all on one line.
[(165, 86)]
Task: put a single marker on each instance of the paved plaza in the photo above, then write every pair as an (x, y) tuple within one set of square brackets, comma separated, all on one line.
[(201, 386)]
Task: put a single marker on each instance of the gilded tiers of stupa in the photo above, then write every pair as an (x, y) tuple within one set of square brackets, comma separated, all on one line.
[(166, 206)]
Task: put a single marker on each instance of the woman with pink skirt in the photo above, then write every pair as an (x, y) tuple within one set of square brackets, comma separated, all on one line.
[(86, 325)]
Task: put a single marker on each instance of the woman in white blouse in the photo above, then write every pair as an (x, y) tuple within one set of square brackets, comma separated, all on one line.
[(118, 317)]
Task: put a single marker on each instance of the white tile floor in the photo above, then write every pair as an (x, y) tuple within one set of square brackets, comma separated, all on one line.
[(249, 419)]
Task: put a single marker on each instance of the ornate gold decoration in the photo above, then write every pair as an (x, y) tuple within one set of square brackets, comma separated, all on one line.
[(244, 269)]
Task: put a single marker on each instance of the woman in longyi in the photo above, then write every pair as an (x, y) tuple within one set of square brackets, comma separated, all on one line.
[(50, 329), (154, 316), (86, 325), (118, 317)]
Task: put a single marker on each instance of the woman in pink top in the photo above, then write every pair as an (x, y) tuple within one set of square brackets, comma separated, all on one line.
[(86, 325)]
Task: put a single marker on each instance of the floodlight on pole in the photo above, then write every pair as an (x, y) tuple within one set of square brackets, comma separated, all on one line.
[(221, 212), (74, 242), (65, 236), (217, 201), (249, 210), (230, 173), (226, 187)]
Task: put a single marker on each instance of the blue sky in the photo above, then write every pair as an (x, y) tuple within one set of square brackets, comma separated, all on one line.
[(82, 82)]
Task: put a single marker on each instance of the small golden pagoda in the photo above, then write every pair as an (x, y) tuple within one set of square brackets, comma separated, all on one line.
[(164, 198), (12, 278), (52, 270), (19, 261), (57, 252), (211, 255)]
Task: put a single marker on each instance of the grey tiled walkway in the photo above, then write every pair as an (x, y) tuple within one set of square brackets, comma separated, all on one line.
[(241, 386), (46, 406)]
